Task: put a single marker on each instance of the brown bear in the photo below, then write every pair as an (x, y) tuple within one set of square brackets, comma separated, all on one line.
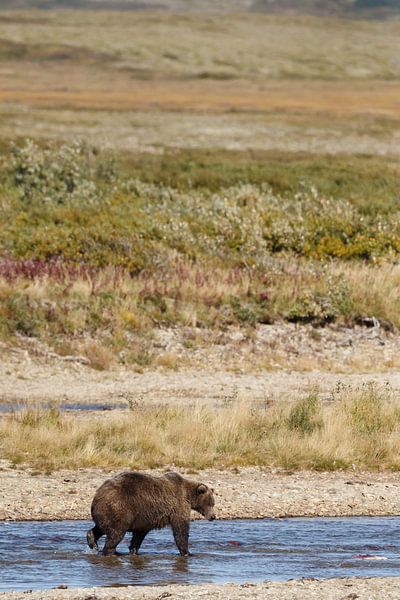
[(138, 503)]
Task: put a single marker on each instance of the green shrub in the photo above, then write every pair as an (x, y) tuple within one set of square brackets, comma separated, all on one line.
[(65, 175), (72, 204), (322, 306), (304, 415)]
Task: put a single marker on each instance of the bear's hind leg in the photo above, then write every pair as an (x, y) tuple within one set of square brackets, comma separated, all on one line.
[(112, 541), (93, 536)]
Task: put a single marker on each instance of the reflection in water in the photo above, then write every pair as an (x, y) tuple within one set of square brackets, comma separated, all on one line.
[(35, 555), (180, 565)]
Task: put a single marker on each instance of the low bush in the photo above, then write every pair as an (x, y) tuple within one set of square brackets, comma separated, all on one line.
[(303, 416), (68, 203), (86, 252)]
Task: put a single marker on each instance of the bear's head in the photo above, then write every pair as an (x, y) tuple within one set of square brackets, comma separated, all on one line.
[(202, 501)]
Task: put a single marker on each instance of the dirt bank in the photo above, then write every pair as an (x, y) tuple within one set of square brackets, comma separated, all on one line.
[(282, 361)]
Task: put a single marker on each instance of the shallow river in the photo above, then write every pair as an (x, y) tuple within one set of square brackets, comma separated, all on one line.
[(8, 407), (36, 555)]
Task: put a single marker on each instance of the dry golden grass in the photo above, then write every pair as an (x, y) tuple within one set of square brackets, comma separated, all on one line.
[(373, 290), (100, 357), (107, 89), (168, 360), (361, 427)]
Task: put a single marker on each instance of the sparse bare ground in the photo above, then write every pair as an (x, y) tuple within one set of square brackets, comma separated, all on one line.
[(274, 362), (154, 130)]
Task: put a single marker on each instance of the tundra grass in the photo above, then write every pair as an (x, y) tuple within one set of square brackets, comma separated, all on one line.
[(371, 183), (360, 429), (206, 45)]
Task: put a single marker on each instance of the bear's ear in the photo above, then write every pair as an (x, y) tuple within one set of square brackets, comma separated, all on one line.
[(201, 489)]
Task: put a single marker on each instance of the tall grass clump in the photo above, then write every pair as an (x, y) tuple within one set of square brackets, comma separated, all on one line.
[(361, 429), (304, 415)]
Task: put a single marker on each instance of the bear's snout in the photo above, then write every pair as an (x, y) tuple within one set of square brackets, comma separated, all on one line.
[(209, 514)]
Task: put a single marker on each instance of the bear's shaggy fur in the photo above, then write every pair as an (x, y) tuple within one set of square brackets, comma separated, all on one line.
[(138, 503)]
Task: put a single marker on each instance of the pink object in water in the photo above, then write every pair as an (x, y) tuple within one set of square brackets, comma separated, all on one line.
[(234, 543)]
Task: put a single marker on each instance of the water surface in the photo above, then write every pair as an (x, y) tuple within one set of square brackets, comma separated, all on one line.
[(38, 555), (7, 407)]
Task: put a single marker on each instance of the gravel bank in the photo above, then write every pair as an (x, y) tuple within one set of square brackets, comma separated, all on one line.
[(305, 589), (240, 493)]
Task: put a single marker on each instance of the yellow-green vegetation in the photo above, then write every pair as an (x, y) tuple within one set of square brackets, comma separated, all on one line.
[(239, 189), (360, 427), (242, 188), (68, 204), (93, 251), (371, 183)]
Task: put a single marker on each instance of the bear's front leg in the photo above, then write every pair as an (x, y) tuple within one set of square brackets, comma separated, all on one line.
[(180, 529), (138, 536)]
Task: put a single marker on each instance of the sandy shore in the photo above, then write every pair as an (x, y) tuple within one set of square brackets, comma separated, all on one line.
[(305, 589), (240, 493)]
